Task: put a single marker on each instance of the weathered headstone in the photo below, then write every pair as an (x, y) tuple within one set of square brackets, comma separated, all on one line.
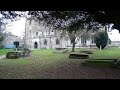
[(16, 54), (87, 52), (61, 51), (13, 55), (78, 55), (26, 52)]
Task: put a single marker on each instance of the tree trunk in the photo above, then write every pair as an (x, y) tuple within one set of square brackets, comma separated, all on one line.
[(100, 47), (73, 47)]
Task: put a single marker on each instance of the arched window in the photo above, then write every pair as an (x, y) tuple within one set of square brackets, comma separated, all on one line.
[(57, 41), (45, 42), (93, 39), (83, 39)]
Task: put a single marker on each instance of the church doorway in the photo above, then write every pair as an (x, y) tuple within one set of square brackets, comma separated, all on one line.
[(35, 45)]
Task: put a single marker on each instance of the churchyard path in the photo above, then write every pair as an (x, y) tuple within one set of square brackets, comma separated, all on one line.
[(2, 57)]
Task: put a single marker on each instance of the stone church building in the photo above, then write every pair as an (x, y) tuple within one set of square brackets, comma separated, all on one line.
[(40, 37)]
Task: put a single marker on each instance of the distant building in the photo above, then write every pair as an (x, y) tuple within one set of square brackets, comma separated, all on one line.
[(115, 43), (114, 35), (10, 38)]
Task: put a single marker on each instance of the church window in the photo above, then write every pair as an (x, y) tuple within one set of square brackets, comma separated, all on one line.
[(57, 41), (45, 42), (83, 40), (93, 39)]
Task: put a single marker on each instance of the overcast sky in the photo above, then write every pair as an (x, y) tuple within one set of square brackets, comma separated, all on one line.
[(18, 27)]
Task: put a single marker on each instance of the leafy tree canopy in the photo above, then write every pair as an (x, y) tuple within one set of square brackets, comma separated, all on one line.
[(56, 17), (7, 16)]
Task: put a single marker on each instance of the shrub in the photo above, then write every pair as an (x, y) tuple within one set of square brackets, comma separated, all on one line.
[(101, 39)]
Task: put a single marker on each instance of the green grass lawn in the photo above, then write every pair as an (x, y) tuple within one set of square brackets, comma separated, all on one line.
[(109, 53), (46, 64), (4, 51)]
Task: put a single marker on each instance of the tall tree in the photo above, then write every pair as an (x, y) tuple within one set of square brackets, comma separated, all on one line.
[(101, 39), (66, 20)]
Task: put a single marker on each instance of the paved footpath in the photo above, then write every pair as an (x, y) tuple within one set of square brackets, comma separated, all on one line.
[(2, 57)]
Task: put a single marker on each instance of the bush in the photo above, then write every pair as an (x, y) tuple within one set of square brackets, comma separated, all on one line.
[(101, 39)]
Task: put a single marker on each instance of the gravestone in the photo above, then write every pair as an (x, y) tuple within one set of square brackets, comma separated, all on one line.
[(87, 52), (61, 51), (16, 54), (78, 56), (13, 55), (26, 52)]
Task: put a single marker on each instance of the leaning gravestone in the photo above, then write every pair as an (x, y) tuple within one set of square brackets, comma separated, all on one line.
[(26, 52)]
